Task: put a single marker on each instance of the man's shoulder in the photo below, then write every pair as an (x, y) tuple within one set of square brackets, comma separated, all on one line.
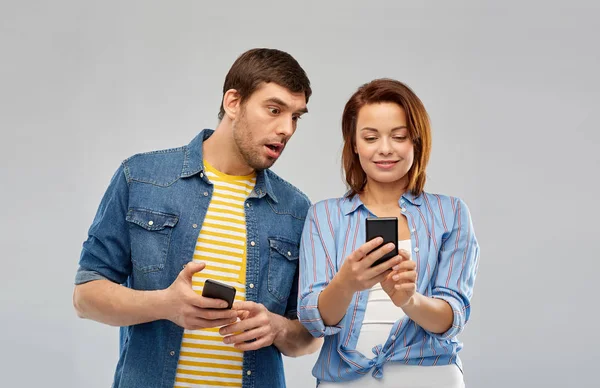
[(287, 192), (159, 167)]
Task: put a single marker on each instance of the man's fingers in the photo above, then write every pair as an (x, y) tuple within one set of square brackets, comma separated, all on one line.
[(247, 306), (247, 324), (200, 323), (191, 268), (214, 314), (246, 336), (207, 303), (255, 345)]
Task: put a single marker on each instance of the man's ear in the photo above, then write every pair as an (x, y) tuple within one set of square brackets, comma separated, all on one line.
[(231, 103)]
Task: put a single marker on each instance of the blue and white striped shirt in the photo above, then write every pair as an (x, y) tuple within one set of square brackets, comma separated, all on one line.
[(446, 253)]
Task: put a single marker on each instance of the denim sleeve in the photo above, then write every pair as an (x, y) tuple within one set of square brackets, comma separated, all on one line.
[(316, 270), (291, 309), (106, 252), (457, 268)]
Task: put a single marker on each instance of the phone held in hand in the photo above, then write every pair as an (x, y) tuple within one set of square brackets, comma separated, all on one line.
[(387, 228), (217, 290)]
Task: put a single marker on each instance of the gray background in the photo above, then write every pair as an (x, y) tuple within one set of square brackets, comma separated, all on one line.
[(511, 87)]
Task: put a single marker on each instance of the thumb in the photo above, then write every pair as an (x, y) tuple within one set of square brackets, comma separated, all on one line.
[(191, 268)]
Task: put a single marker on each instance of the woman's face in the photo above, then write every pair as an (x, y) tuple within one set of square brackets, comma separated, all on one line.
[(383, 145)]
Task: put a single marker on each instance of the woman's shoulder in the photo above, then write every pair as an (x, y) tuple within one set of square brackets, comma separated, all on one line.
[(441, 199)]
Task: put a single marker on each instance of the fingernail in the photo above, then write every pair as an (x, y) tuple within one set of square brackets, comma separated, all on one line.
[(226, 340), (396, 267), (395, 277)]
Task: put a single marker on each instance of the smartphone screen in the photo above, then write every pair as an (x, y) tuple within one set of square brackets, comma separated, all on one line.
[(387, 228)]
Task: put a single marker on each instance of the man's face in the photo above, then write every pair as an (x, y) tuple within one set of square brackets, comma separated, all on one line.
[(266, 121)]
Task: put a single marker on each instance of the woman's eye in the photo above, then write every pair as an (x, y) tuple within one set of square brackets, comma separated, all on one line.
[(400, 138), (370, 138)]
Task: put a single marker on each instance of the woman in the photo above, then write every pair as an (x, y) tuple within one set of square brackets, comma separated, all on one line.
[(394, 324)]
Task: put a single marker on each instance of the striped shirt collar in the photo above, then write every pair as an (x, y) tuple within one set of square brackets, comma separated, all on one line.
[(350, 205)]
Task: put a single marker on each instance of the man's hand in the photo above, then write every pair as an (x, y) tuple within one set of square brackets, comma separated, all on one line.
[(257, 324), (184, 307), (401, 283)]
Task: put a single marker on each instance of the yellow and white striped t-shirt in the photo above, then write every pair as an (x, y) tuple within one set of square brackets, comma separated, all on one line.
[(205, 361)]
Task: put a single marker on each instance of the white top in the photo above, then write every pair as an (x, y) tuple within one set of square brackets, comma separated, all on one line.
[(380, 315)]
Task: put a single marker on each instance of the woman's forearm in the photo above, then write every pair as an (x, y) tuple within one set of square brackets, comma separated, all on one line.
[(433, 315), (333, 302)]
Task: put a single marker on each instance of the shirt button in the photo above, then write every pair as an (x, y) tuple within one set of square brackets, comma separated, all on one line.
[(206, 193), (416, 249), (252, 243), (249, 373), (247, 205), (201, 175), (194, 226), (172, 353), (150, 222), (289, 253), (403, 209), (412, 230), (393, 338), (251, 285)]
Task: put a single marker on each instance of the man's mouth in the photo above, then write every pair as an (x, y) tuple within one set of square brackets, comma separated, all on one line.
[(274, 149)]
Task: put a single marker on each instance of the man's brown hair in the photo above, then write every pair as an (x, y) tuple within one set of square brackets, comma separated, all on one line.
[(265, 65)]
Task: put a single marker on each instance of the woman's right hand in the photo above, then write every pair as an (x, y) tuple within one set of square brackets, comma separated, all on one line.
[(356, 273)]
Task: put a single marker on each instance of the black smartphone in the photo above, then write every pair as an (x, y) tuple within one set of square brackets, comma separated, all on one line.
[(217, 290), (386, 227)]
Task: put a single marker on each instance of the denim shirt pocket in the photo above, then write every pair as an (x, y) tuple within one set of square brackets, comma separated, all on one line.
[(150, 234), (283, 261)]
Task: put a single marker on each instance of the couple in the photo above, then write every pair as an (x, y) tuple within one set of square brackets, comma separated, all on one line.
[(172, 219)]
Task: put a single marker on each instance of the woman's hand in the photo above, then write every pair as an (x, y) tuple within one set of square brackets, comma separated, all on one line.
[(401, 283), (356, 273)]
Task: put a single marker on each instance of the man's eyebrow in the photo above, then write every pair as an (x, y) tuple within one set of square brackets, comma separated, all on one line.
[(278, 101)]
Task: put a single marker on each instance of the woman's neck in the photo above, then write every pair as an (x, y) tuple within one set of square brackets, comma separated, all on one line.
[(383, 195)]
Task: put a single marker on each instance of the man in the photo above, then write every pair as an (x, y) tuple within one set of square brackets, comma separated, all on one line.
[(171, 219)]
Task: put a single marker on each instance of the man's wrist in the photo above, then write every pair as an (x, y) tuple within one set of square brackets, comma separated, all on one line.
[(279, 325)]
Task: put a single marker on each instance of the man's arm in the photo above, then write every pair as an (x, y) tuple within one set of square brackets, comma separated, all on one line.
[(116, 305), (292, 339), (265, 328)]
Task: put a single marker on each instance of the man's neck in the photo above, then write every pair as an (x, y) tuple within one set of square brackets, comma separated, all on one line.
[(222, 153)]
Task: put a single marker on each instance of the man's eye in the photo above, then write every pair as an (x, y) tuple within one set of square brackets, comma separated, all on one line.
[(274, 111), (296, 118)]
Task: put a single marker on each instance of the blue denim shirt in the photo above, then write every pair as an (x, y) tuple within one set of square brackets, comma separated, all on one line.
[(170, 189)]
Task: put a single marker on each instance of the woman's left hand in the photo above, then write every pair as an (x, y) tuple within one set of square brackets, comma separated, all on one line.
[(401, 283)]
